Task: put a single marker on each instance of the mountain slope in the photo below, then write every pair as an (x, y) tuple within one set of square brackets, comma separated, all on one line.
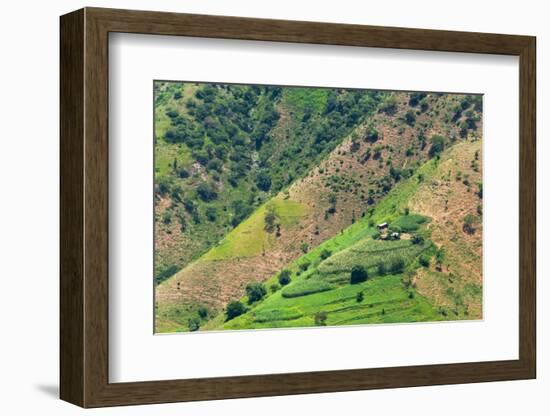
[(222, 150), (381, 152), (439, 279)]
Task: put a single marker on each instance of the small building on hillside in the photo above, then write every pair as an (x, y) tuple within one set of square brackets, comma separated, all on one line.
[(395, 236), (382, 226)]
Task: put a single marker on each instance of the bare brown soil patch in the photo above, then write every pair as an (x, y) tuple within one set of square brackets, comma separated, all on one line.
[(447, 199), (332, 207)]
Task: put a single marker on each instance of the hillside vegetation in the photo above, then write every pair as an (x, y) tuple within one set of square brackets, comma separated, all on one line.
[(291, 259), (222, 150), (433, 272)]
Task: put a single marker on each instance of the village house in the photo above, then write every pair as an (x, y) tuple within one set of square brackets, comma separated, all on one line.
[(382, 226)]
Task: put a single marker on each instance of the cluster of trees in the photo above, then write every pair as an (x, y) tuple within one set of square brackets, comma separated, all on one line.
[(371, 134), (466, 110), (194, 323), (206, 191), (344, 110), (165, 273), (229, 129), (241, 210), (416, 98), (437, 147), (398, 173), (255, 292), (223, 124), (359, 273), (388, 105)]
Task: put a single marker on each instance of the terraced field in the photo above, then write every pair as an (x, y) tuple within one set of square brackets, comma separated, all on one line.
[(291, 207)]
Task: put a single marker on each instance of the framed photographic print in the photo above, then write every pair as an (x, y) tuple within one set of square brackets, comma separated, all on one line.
[(257, 207)]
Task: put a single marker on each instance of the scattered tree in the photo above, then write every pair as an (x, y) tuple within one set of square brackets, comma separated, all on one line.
[(211, 214), (305, 265), (284, 277), (206, 192), (321, 318), (371, 134), (255, 292), (479, 209), (194, 324), (203, 312), (480, 190), (269, 218), (389, 105), (396, 265), (167, 217), (468, 225), (410, 118), (332, 199), (415, 97), (424, 261), (325, 254), (215, 165), (438, 144), (234, 309), (263, 181), (358, 274)]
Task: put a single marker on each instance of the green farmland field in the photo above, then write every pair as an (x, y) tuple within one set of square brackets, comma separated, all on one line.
[(279, 207)]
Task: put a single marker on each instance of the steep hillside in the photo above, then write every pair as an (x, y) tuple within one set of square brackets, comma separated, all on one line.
[(222, 150), (453, 199), (384, 150), (432, 272)]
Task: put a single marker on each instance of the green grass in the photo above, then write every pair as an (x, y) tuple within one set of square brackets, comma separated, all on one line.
[(408, 223), (391, 207), (250, 238), (245, 131), (171, 319), (385, 300), (370, 253), (306, 287), (288, 212), (269, 315), (301, 98), (165, 155), (385, 297), (324, 285)]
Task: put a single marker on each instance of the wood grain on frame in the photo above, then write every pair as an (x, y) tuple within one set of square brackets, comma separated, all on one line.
[(84, 207)]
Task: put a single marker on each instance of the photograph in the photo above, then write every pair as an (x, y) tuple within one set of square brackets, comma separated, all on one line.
[(286, 206)]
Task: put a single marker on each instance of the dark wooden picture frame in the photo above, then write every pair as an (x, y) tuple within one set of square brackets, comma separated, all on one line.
[(84, 207)]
